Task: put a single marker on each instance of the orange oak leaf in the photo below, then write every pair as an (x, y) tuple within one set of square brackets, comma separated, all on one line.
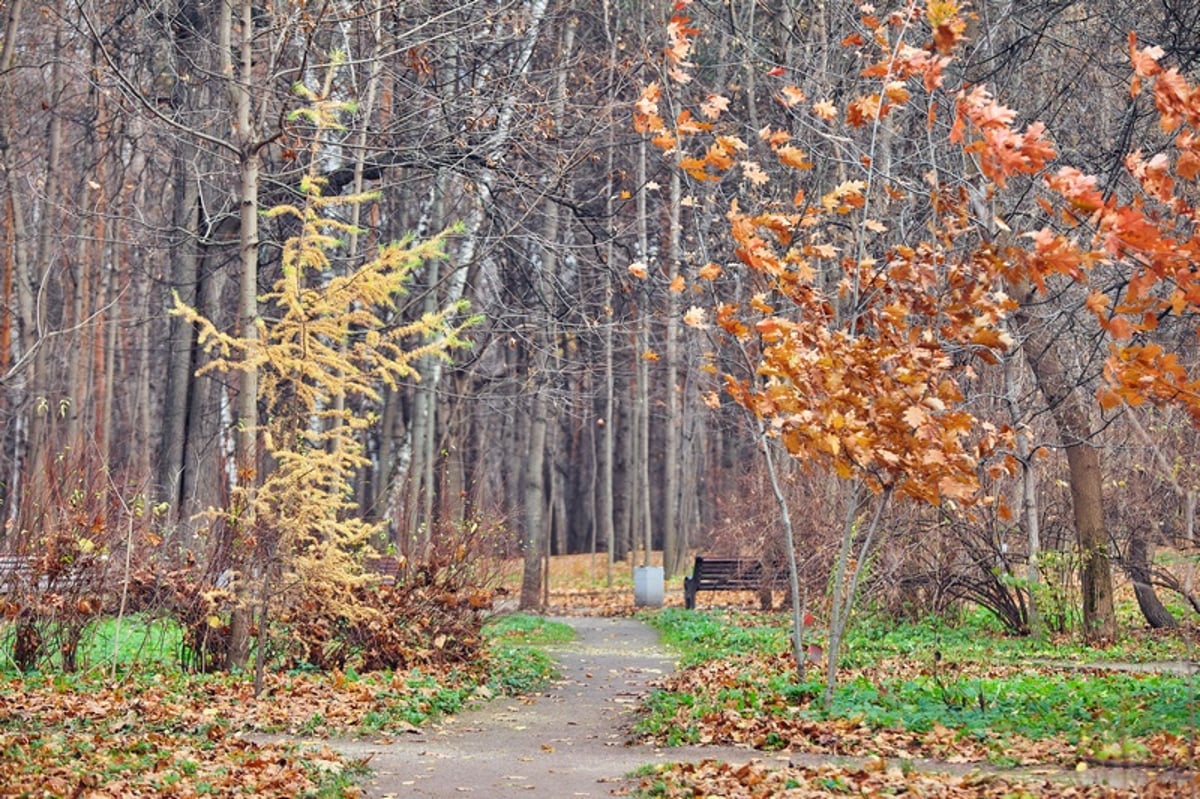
[(793, 157), (791, 95), (754, 173), (825, 109), (714, 105)]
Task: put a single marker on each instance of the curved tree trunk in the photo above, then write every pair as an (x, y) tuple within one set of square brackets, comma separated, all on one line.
[(1083, 463), (1137, 566)]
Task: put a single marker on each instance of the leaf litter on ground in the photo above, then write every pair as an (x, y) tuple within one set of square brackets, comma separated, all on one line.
[(877, 777), (179, 735)]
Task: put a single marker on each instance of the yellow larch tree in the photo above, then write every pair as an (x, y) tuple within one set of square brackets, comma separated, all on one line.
[(327, 336)]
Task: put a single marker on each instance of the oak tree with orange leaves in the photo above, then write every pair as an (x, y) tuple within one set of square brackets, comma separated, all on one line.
[(858, 336), (861, 337)]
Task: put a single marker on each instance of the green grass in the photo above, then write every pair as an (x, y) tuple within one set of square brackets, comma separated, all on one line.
[(976, 636), (701, 636), (1070, 706), (518, 662), (136, 640), (520, 629), (958, 676)]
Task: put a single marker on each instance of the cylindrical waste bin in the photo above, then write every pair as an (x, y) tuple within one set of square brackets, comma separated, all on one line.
[(648, 586)]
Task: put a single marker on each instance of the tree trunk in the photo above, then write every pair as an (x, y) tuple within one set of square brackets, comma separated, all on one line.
[(78, 378), (418, 490), (1083, 464), (390, 421), (799, 651), (205, 471), (1138, 566), (1189, 517), (142, 421), (607, 512), (643, 517), (645, 505), (1138, 562), (624, 473), (1087, 500), (845, 586), (246, 437), (538, 494), (607, 461), (1029, 504), (106, 359), (535, 493), (37, 319), (674, 544), (17, 263), (560, 527), (185, 277), (418, 504), (7, 440), (179, 453)]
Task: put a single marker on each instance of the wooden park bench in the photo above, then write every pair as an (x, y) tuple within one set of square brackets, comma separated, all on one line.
[(385, 567), (20, 573), (15, 572), (728, 574)]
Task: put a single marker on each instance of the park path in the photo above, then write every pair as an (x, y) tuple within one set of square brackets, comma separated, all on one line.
[(568, 741), (571, 740)]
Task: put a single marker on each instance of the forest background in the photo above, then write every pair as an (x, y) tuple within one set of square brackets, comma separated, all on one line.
[(143, 145)]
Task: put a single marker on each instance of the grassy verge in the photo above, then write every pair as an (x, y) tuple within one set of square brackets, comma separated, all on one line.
[(961, 692), (519, 665), (146, 728)]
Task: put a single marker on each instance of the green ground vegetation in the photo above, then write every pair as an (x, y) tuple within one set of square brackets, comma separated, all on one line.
[(910, 687), (131, 718)]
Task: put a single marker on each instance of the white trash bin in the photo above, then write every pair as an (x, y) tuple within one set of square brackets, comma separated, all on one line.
[(648, 586)]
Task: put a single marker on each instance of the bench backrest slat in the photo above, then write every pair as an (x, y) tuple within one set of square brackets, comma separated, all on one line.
[(20, 573), (727, 574), (710, 572)]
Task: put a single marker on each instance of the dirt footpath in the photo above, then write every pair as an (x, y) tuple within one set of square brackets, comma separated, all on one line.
[(568, 741), (571, 740)]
